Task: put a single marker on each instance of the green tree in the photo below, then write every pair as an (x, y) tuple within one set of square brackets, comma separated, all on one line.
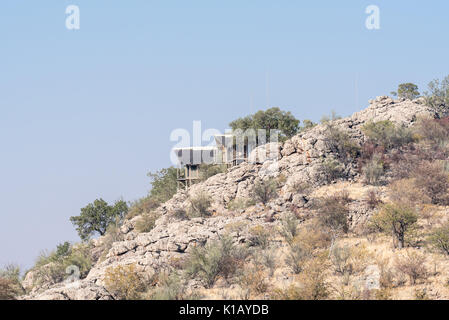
[(271, 119), (163, 184), (407, 91), (163, 187), (438, 95), (97, 216), (395, 219), (63, 249), (306, 125), (387, 134), (439, 238)]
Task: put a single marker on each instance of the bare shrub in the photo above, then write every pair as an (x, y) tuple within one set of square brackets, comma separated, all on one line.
[(368, 231), (296, 257), (348, 291), (340, 257), (289, 226), (433, 181), (333, 213), (428, 213), (301, 187), (313, 237), (368, 151), (387, 275), (266, 258), (311, 285), (404, 162), (180, 214), (254, 280), (112, 235), (434, 132), (412, 264), (373, 170), (348, 260), (372, 199), (265, 190), (405, 191), (421, 294), (172, 287)]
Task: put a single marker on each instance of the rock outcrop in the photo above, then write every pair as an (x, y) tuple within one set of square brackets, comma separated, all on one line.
[(298, 160)]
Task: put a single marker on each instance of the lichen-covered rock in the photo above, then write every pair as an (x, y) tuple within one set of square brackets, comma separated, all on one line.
[(79, 290)]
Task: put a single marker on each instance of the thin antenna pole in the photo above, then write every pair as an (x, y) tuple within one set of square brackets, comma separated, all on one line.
[(251, 101), (356, 90), (267, 89)]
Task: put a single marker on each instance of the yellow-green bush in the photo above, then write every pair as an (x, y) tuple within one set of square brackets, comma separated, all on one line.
[(387, 134), (240, 204), (259, 237), (332, 169), (218, 258), (296, 256), (439, 238), (210, 170), (311, 283), (124, 282), (11, 274), (340, 143), (146, 222), (52, 267), (200, 204), (172, 287), (7, 291), (254, 280), (265, 190)]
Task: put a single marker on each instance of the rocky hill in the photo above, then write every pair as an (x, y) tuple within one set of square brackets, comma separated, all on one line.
[(296, 163)]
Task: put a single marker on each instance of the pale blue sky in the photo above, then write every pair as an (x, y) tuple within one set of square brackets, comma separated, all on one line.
[(86, 114)]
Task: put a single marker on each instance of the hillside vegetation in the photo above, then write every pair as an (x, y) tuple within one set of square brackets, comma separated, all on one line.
[(352, 208)]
